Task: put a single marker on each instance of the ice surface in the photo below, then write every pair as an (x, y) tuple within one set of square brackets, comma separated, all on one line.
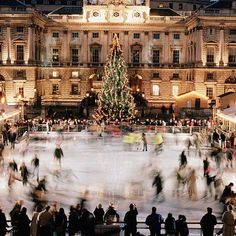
[(111, 172)]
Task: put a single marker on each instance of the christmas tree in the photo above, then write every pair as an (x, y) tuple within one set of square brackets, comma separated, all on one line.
[(115, 101)]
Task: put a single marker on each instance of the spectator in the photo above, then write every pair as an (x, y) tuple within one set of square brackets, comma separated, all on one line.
[(208, 223), (87, 223), (3, 223), (170, 225), (181, 226), (227, 193), (61, 223), (23, 223), (228, 219), (34, 223), (45, 222), (131, 221), (73, 226), (154, 222), (14, 214), (111, 215), (99, 213)]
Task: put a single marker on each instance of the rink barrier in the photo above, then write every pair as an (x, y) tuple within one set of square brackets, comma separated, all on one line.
[(112, 128), (118, 229)]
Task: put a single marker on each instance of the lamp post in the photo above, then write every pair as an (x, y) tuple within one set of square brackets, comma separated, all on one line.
[(21, 104)]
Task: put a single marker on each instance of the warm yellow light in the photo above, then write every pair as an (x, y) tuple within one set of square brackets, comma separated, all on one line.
[(137, 89), (3, 100), (192, 92), (226, 117)]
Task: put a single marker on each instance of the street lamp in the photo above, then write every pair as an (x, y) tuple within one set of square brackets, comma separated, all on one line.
[(21, 103)]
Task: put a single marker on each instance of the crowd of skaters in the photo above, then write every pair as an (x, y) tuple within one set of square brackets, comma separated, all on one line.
[(50, 221)]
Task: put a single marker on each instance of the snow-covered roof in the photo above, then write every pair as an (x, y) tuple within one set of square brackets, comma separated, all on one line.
[(228, 114)]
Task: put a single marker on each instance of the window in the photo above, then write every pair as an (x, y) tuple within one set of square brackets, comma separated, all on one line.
[(21, 92), (156, 36), (75, 55), (39, 1), (20, 29), (74, 89), (180, 6), (210, 76), (75, 35), (95, 35), (175, 90), (232, 31), (95, 54), (156, 75), (175, 76), (55, 74), (0, 52), (176, 36), (55, 34), (136, 35), (20, 74), (155, 90), (135, 56), (75, 74), (232, 56), (55, 89), (209, 92), (20, 52), (55, 55), (194, 7), (156, 56), (176, 56), (171, 5), (210, 55)]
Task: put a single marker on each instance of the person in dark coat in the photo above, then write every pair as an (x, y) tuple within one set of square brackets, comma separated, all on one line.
[(14, 214), (24, 173), (158, 183), (87, 223), (227, 193), (99, 213), (3, 223), (183, 159), (73, 226), (58, 154), (154, 222), (170, 225), (23, 223), (35, 164), (208, 223), (131, 221), (12, 136), (111, 215), (181, 226), (61, 223)]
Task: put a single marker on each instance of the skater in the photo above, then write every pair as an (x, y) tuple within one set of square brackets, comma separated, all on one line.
[(183, 159), (206, 165), (192, 185), (24, 173), (58, 154), (144, 139), (1, 154), (35, 164), (158, 183), (12, 169)]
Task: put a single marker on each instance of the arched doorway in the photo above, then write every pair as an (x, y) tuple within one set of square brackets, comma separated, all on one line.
[(135, 83)]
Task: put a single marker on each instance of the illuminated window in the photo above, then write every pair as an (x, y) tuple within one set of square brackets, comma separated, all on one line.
[(55, 74), (232, 55), (175, 90), (209, 92), (75, 74), (74, 89), (155, 90), (21, 92), (55, 55)]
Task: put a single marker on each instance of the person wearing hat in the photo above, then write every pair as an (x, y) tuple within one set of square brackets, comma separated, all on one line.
[(208, 223)]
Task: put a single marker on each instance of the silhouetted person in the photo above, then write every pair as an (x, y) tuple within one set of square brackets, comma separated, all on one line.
[(131, 221), (181, 226), (45, 221), (111, 215), (87, 223), (61, 223), (170, 225), (154, 222), (3, 224), (208, 223), (99, 214), (73, 226), (23, 223)]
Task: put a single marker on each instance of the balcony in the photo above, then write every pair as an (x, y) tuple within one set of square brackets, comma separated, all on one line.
[(210, 64), (232, 64), (19, 62), (135, 64)]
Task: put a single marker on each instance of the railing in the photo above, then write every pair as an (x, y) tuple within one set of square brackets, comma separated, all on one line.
[(111, 129), (118, 229)]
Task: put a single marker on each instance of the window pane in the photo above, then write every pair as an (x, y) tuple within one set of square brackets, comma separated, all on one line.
[(176, 56), (55, 89), (155, 90), (175, 90), (136, 54), (75, 55), (156, 56), (95, 55), (19, 52), (209, 92)]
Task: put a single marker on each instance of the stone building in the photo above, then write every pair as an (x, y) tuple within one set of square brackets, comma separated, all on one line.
[(58, 57)]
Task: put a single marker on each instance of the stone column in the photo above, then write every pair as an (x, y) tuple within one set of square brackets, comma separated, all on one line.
[(8, 44), (65, 48), (30, 43), (199, 50), (166, 50), (221, 47), (146, 49), (85, 49)]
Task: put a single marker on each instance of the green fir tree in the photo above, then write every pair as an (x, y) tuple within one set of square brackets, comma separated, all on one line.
[(115, 101)]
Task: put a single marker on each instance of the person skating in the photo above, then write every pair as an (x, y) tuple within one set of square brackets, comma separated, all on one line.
[(183, 159), (35, 165), (158, 183), (144, 140), (58, 154), (24, 173)]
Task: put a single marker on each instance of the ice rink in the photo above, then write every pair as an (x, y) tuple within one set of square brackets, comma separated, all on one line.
[(104, 170)]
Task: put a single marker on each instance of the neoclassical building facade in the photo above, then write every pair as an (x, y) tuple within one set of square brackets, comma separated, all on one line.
[(58, 57)]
